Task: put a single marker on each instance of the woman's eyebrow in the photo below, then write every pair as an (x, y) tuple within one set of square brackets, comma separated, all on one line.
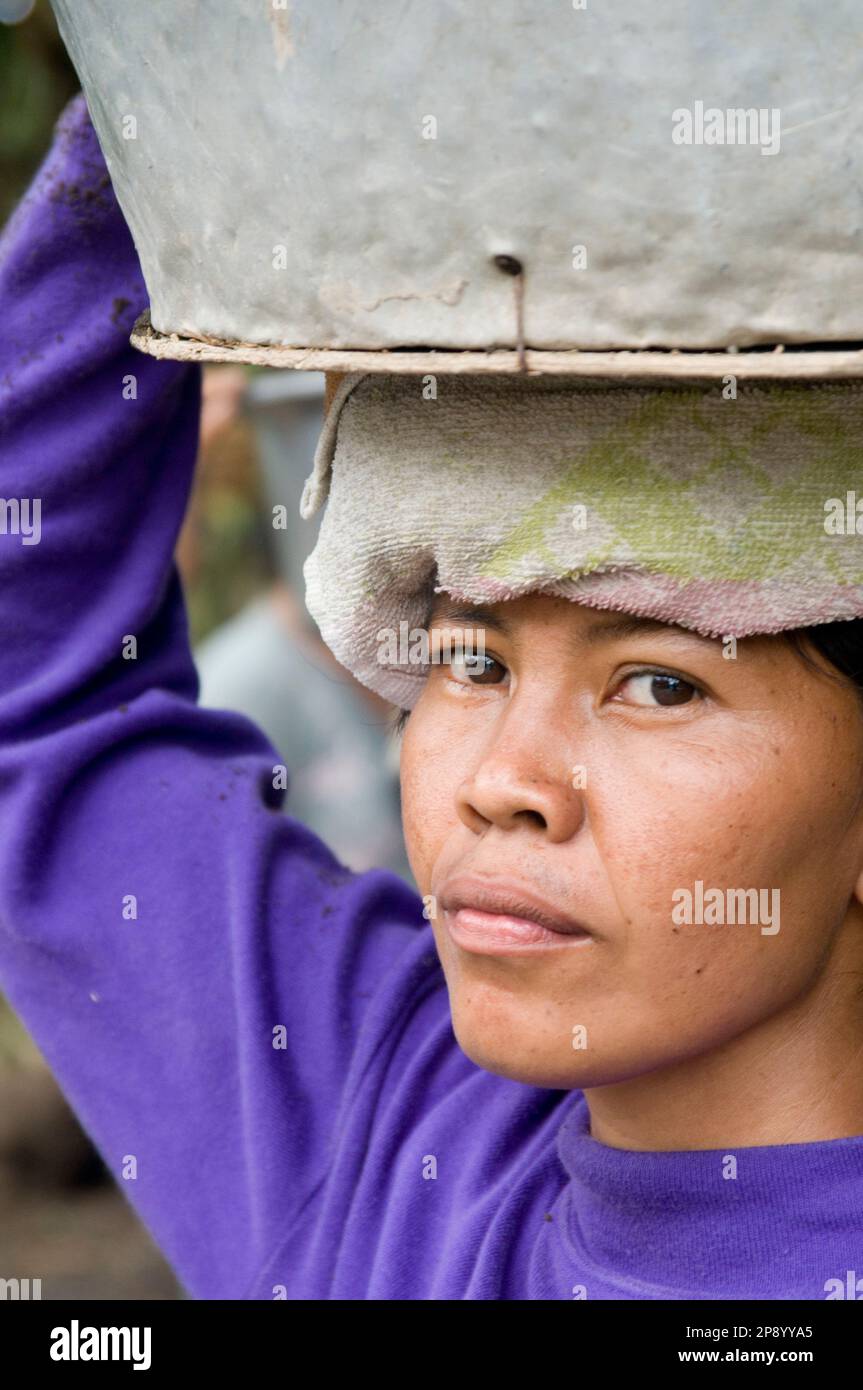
[(626, 625), (629, 626), (468, 613)]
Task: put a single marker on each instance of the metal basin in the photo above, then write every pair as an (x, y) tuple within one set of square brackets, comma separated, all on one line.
[(347, 174)]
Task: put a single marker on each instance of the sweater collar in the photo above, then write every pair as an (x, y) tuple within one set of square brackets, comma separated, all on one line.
[(716, 1222)]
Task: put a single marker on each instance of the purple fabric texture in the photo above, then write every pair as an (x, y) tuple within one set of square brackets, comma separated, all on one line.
[(263, 1171)]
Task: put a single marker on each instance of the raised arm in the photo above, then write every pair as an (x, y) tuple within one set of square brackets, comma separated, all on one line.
[(196, 966)]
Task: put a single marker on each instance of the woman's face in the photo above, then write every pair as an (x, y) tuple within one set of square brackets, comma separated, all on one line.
[(607, 766)]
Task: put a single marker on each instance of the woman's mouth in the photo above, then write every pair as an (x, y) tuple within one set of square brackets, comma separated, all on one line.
[(491, 919)]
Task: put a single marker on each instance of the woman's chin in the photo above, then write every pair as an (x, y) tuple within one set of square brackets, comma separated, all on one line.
[(537, 1054)]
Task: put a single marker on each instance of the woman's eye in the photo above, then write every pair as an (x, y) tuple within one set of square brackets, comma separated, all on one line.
[(477, 670), (652, 689)]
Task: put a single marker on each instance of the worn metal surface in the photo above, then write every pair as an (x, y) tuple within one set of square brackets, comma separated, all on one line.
[(302, 127)]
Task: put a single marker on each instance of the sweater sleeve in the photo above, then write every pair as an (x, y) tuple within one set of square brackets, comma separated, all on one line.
[(195, 965)]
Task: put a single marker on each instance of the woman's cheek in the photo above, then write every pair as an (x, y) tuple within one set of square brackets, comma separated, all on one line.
[(430, 773), (650, 795), (667, 815), (681, 822)]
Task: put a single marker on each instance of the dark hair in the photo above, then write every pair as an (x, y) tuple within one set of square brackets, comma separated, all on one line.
[(400, 718), (841, 644)]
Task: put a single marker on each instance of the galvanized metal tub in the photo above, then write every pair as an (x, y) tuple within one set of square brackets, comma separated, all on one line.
[(339, 175)]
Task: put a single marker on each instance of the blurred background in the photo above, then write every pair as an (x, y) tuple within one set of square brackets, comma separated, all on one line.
[(62, 1218)]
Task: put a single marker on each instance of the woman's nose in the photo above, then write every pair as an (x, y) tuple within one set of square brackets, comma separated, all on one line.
[(524, 777)]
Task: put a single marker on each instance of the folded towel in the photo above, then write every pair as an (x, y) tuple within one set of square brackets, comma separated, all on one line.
[(730, 513)]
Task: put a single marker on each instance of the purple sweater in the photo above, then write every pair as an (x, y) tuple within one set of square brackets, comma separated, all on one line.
[(257, 1039)]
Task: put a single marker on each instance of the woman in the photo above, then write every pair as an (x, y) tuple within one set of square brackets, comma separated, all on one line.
[(261, 1043)]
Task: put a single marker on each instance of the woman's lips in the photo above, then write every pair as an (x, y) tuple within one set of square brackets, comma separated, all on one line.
[(493, 920), (492, 933)]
